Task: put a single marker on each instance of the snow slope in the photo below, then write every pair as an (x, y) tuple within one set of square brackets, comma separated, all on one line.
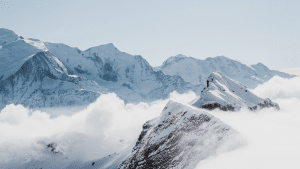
[(130, 77), (40, 74), (196, 71), (227, 94), (179, 138), (42, 81)]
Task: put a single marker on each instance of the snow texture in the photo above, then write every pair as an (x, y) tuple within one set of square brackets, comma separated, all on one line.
[(179, 138), (229, 95), (196, 71), (40, 74)]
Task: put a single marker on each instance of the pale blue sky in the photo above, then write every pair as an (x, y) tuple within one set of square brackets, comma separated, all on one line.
[(250, 31)]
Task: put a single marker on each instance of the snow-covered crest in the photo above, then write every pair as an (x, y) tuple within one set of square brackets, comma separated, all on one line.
[(196, 71), (7, 36), (179, 138), (227, 94)]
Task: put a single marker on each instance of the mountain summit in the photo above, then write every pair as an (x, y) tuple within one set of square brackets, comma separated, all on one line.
[(196, 71), (227, 94), (179, 138)]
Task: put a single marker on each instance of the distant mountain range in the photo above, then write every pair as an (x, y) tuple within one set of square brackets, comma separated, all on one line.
[(196, 71), (40, 74)]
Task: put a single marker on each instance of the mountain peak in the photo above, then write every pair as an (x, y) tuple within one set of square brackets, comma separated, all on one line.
[(174, 58), (7, 36), (260, 64), (222, 57), (226, 94), (179, 56), (261, 67), (176, 139), (110, 47)]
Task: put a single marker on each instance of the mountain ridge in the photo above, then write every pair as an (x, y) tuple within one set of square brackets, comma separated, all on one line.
[(103, 67), (196, 71), (179, 138), (229, 95)]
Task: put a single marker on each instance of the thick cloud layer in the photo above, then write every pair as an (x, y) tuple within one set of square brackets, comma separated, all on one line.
[(273, 136), (108, 126), (279, 88), (104, 127)]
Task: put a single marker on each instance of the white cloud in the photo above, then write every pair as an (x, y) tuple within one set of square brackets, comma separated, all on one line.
[(89, 134), (273, 136), (279, 87)]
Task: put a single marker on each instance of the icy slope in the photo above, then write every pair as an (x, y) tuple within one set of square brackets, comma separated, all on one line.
[(227, 94), (130, 77), (179, 138), (15, 53), (196, 71), (7, 36), (43, 81)]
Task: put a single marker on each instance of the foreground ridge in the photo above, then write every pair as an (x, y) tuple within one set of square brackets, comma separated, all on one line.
[(179, 138)]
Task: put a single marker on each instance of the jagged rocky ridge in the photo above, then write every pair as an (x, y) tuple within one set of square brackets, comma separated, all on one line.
[(196, 71), (229, 95), (40, 74), (179, 138)]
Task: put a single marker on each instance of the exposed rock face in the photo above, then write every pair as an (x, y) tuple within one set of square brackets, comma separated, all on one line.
[(229, 95), (53, 148), (179, 138)]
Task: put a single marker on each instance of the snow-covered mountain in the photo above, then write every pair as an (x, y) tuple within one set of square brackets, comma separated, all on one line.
[(227, 94), (42, 74), (42, 81), (196, 71), (179, 138)]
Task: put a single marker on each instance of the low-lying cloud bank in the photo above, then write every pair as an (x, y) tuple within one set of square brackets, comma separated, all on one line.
[(104, 127), (109, 125), (273, 136)]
